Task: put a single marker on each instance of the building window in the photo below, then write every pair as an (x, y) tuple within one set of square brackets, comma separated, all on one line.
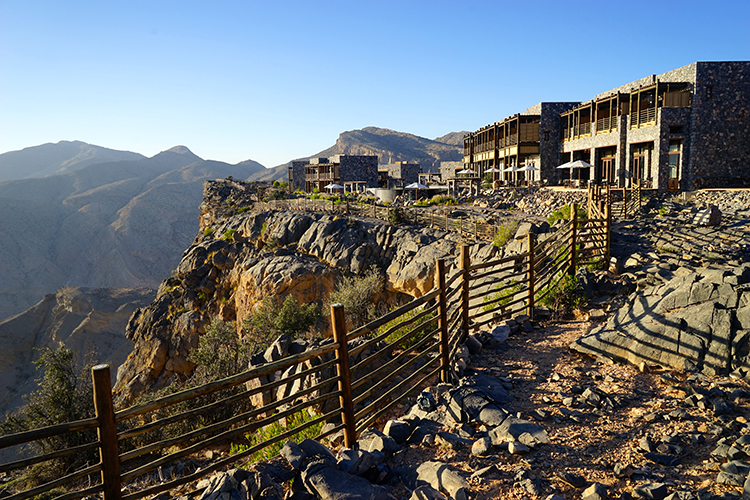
[(546, 135), (675, 129), (675, 152), (709, 92)]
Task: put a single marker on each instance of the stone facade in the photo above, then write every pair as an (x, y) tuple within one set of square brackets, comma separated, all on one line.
[(398, 174), (448, 169), (685, 129), (345, 170), (297, 175)]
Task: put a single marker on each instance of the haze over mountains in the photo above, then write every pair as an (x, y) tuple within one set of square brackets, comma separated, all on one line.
[(110, 225)]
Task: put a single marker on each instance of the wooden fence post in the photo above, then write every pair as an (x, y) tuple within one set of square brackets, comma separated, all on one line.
[(105, 414), (530, 242), (345, 377), (607, 235), (444, 347), (465, 264), (574, 228)]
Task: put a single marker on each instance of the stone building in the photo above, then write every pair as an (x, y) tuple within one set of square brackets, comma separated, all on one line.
[(353, 172), (681, 130), (398, 174)]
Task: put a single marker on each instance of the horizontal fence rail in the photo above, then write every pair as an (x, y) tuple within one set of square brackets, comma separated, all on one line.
[(349, 381)]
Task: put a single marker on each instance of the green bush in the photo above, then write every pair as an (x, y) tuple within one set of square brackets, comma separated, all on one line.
[(395, 215), (563, 295), (274, 317), (229, 234), (65, 394), (275, 429), (505, 296), (242, 210), (505, 232), (564, 213), (208, 231), (356, 294), (419, 329)]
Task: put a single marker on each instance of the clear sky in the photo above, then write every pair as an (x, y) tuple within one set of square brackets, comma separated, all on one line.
[(276, 80)]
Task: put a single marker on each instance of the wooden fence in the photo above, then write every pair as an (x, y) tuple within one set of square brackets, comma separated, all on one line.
[(621, 202), (351, 380)]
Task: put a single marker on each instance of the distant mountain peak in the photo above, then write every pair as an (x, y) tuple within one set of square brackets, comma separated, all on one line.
[(183, 150)]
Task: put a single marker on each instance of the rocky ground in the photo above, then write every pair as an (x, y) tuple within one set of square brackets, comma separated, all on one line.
[(613, 430)]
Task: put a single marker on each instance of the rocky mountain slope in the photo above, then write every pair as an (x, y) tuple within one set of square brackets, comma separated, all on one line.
[(115, 224), (55, 159), (240, 258), (389, 146), (89, 321)]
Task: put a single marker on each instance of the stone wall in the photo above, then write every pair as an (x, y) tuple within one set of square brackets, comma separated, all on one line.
[(720, 132), (549, 135), (404, 171), (297, 175), (448, 169), (358, 168)]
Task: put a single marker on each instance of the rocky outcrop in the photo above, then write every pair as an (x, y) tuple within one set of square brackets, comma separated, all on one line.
[(240, 257), (697, 321)]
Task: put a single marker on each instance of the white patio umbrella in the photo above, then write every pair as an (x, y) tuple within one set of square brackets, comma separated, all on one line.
[(579, 164), (492, 170), (512, 168), (416, 185), (529, 168), (334, 186), (465, 171)]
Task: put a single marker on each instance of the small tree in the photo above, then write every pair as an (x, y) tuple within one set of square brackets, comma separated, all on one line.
[(356, 294), (65, 394), (273, 318)]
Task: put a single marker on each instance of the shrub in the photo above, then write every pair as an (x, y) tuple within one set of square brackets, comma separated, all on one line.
[(220, 353), (242, 210), (208, 231), (415, 331), (505, 232), (275, 429), (228, 234), (274, 317), (564, 213), (563, 295), (65, 394), (276, 184), (356, 294), (505, 296), (395, 215)]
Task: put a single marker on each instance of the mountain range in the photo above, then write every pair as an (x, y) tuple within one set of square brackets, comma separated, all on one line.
[(88, 233), (75, 214), (110, 224), (389, 146)]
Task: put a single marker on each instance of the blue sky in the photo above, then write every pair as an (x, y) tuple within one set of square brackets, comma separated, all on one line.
[(272, 81)]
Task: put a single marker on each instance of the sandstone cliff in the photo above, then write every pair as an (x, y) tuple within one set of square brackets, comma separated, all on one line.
[(241, 257)]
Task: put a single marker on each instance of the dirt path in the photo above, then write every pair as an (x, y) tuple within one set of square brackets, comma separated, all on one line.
[(543, 374)]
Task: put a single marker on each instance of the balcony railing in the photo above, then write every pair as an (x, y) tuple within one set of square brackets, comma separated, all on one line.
[(644, 117), (607, 124)]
